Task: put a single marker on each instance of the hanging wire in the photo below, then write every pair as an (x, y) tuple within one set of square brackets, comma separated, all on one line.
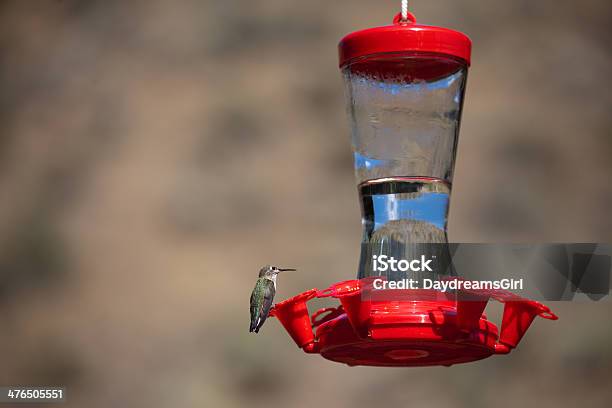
[(404, 10)]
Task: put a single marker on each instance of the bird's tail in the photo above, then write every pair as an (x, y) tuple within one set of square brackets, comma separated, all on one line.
[(253, 326)]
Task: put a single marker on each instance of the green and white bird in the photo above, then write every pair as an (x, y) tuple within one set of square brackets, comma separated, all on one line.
[(263, 296)]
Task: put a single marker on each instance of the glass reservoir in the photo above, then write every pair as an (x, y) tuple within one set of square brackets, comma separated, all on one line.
[(404, 112)]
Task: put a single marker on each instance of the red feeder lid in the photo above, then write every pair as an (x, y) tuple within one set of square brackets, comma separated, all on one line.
[(404, 36)]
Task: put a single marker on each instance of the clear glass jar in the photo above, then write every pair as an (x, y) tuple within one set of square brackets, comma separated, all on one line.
[(404, 111)]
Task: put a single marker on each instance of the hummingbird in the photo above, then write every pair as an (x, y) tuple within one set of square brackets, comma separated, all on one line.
[(263, 295)]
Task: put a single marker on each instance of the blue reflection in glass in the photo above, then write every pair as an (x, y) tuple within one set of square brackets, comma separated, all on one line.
[(427, 207), (365, 162)]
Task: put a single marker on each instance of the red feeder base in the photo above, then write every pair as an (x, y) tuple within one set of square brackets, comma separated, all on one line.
[(403, 328), (422, 342)]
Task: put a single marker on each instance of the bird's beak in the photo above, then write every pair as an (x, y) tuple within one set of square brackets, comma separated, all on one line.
[(287, 270)]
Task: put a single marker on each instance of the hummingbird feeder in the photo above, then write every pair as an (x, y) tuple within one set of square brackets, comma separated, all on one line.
[(405, 85)]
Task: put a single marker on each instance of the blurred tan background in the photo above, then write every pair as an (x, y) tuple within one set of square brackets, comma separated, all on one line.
[(154, 154)]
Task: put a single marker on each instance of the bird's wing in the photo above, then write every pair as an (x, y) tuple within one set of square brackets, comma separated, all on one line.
[(268, 292), (256, 303)]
